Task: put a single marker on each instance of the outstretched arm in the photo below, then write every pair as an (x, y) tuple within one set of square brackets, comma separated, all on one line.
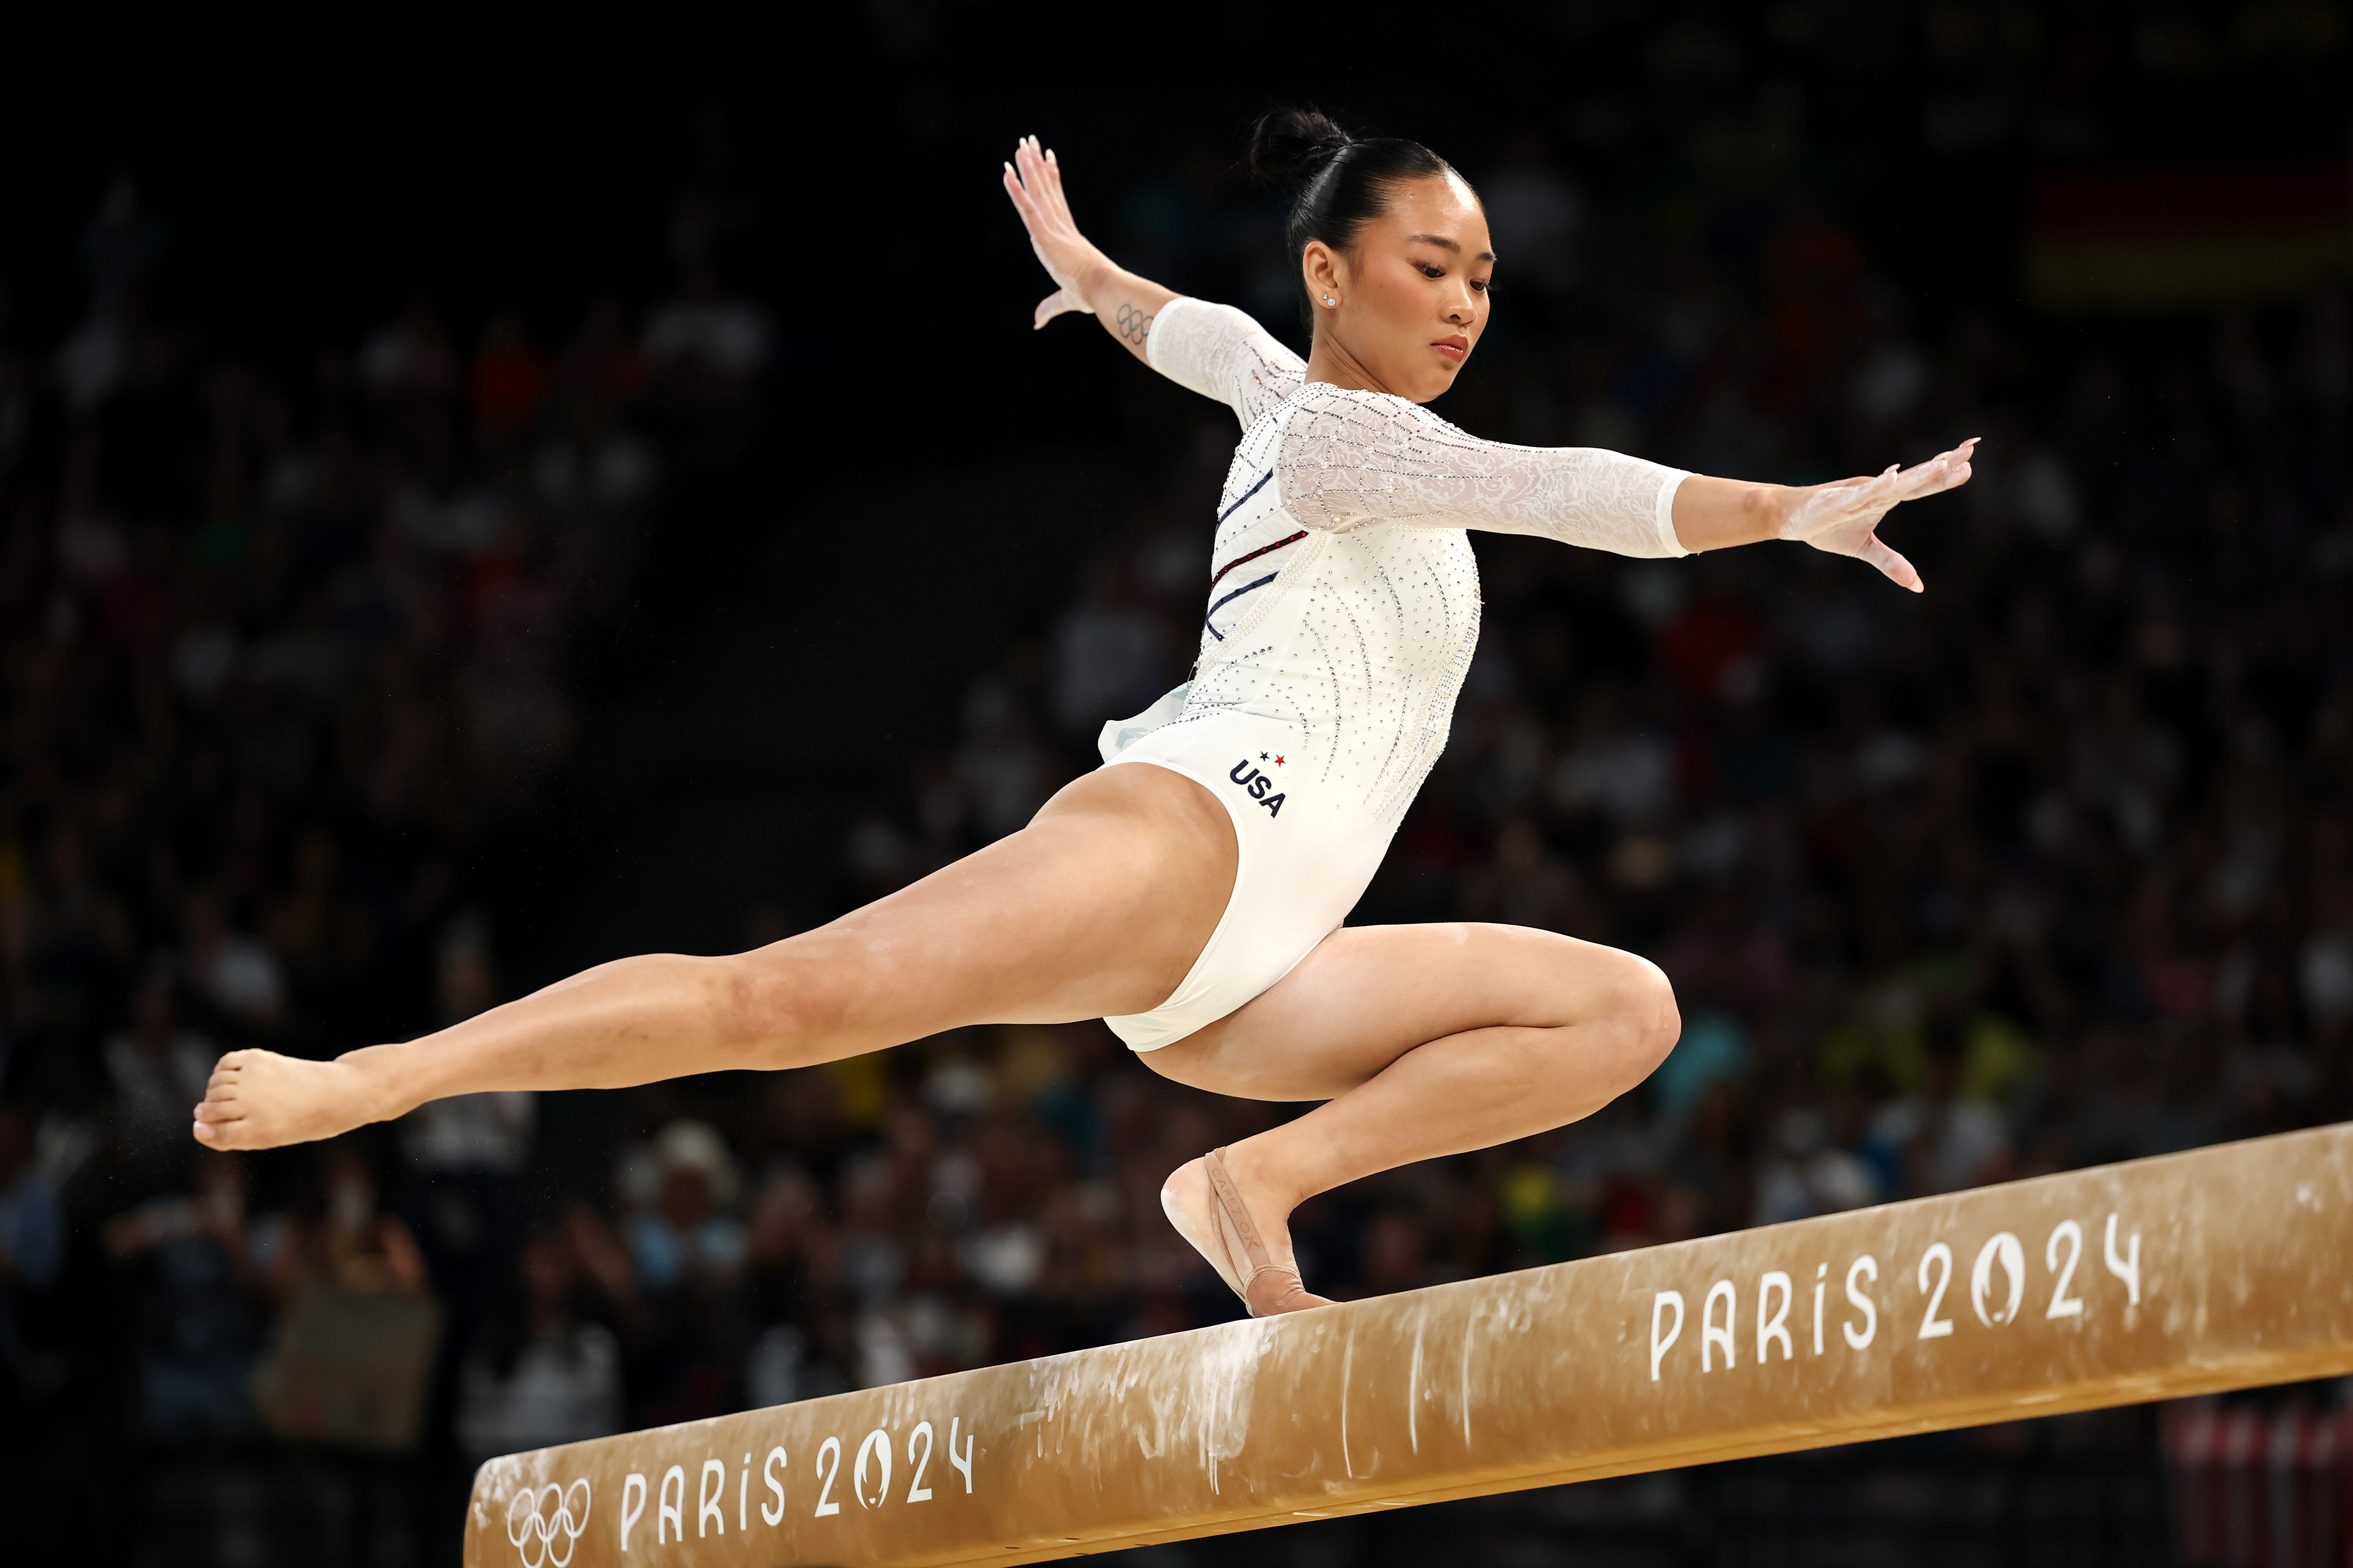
[(1085, 277), (1349, 458), (1842, 517)]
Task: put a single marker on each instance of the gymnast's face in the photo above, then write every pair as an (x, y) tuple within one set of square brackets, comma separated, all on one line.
[(1408, 299)]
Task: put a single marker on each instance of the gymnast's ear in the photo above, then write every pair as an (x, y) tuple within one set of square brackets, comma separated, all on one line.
[(1325, 273)]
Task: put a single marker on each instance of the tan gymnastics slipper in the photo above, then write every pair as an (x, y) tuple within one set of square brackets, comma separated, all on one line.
[(1271, 1287)]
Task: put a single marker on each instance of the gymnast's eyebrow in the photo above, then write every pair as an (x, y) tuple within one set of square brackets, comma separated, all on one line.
[(1441, 240)]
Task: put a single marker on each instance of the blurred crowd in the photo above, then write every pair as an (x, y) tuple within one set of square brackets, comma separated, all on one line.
[(283, 649), (2045, 867)]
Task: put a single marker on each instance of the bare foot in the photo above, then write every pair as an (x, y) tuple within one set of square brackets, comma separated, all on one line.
[(260, 1099), (1268, 1285)]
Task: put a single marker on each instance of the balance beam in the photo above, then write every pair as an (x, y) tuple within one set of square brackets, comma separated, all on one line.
[(2221, 1268)]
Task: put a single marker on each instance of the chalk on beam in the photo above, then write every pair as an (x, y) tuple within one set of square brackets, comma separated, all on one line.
[(2221, 1268)]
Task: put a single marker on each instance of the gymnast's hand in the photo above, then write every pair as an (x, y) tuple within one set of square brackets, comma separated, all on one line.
[(1843, 516), (1034, 180)]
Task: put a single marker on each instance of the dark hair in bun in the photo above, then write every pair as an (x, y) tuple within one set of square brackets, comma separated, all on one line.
[(1338, 183)]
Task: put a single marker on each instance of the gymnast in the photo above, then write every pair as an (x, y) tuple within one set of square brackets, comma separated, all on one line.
[(1191, 891)]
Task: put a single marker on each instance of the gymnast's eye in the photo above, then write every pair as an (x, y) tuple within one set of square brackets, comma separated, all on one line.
[(1483, 285), (1430, 271)]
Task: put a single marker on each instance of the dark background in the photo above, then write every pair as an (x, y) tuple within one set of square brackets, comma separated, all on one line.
[(358, 675)]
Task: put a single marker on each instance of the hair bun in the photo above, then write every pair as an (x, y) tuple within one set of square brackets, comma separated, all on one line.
[(1332, 197), (1289, 147)]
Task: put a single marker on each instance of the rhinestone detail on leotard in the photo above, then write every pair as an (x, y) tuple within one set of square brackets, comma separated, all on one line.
[(1362, 638)]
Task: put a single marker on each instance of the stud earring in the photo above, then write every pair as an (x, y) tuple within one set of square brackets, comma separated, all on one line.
[(1327, 298)]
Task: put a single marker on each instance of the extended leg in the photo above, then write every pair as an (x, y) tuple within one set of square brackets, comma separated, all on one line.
[(1098, 907), (1422, 1041)]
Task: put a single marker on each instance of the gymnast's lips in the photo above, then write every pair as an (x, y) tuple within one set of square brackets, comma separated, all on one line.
[(1456, 348)]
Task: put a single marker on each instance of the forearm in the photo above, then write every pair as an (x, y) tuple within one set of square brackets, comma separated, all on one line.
[(1123, 303), (1717, 514)]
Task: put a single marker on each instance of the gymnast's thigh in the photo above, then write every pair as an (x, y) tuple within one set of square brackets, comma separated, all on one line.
[(1099, 906), (1367, 994)]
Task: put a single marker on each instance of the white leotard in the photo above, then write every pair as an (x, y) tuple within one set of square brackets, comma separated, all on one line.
[(1342, 610)]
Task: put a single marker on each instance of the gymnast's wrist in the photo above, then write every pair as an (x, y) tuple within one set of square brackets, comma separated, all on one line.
[(1096, 277)]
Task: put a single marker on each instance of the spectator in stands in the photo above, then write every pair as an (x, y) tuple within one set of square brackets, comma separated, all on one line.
[(213, 1271), (540, 1375), (151, 1069), (689, 1251)]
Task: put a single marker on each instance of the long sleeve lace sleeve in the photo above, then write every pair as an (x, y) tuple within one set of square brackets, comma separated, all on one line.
[(1349, 458), (1219, 351)]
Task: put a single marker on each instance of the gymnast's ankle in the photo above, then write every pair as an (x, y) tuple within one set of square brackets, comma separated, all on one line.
[(1271, 1198), (380, 1082)]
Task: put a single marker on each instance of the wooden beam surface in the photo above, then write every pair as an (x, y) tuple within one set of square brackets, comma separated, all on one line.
[(2221, 1268)]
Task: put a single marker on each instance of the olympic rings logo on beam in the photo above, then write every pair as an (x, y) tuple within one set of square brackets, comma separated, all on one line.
[(534, 1530)]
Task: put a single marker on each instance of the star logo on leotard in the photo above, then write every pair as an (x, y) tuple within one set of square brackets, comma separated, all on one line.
[(1278, 762), (1261, 756)]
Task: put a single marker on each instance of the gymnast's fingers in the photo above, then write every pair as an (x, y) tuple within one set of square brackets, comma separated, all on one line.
[(1033, 169), (1942, 472), (1045, 188), (1051, 174), (1036, 215), (1893, 565), (1022, 203)]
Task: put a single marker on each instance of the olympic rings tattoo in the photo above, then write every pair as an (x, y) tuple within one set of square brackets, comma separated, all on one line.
[(533, 1529), (1133, 324)]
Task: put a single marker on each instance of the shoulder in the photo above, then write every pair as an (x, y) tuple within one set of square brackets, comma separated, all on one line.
[(1200, 325), (1318, 411), (1221, 352)]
